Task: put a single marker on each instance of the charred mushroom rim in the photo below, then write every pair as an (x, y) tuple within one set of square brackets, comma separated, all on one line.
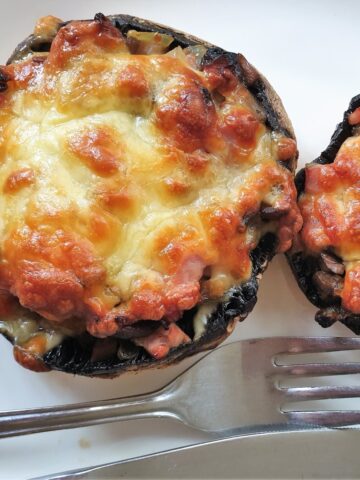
[(325, 257), (147, 181)]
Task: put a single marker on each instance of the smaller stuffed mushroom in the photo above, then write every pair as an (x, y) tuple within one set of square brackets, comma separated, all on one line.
[(326, 255)]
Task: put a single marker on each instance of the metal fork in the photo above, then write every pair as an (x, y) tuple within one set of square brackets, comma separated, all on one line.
[(233, 387)]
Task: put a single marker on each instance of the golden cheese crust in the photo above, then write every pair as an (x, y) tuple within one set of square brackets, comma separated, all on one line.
[(330, 206), (132, 180)]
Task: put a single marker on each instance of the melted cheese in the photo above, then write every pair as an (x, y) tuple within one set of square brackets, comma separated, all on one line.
[(124, 176), (201, 318), (24, 327), (330, 207)]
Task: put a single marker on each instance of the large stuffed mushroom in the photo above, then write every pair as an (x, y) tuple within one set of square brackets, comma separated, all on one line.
[(147, 181)]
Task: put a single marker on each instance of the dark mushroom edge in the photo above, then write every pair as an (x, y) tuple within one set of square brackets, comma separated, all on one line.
[(84, 355), (319, 276)]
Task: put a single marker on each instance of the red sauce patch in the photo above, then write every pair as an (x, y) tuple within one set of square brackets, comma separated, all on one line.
[(18, 180), (98, 149)]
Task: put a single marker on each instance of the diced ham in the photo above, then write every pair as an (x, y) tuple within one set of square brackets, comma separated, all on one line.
[(159, 343), (191, 270)]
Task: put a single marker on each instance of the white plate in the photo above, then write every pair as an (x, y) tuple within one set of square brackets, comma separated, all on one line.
[(309, 52)]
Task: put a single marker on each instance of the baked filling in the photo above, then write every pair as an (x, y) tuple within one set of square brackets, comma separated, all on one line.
[(136, 180), (330, 206)]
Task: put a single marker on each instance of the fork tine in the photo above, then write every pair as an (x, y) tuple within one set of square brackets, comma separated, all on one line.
[(318, 369), (318, 344), (329, 418), (320, 393)]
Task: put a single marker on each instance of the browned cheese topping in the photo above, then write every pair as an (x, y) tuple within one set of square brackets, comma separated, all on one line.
[(132, 180), (330, 206)]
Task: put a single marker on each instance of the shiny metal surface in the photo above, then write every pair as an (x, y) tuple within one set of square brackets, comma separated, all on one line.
[(233, 387), (280, 455)]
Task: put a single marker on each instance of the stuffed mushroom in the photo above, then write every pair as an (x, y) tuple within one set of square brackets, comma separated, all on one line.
[(325, 256), (147, 180)]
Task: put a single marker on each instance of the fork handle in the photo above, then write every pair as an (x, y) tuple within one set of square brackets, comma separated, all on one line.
[(23, 422)]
